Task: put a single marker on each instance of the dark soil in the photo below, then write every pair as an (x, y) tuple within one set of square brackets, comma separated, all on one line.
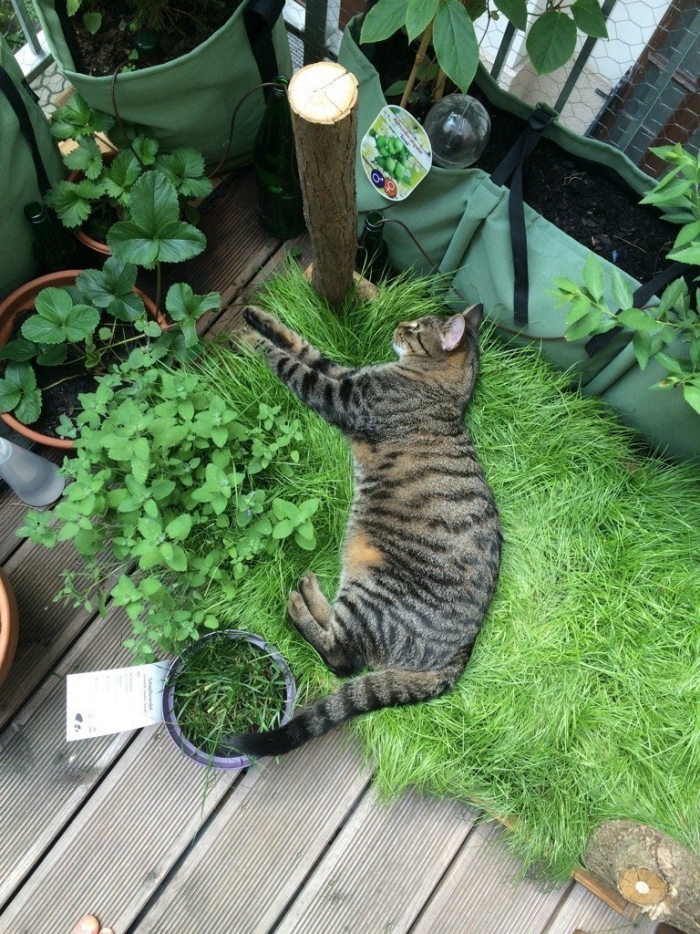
[(181, 28), (588, 202)]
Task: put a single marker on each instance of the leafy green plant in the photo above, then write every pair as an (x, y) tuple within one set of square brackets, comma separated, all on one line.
[(448, 26), (182, 481), (675, 319), (101, 193)]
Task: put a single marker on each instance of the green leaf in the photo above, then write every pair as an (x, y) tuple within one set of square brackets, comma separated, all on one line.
[(283, 529), (185, 168), (687, 233), (398, 87), (551, 41), (383, 20), (179, 528), (72, 201), (112, 288), (146, 149), (641, 343), (586, 326), (670, 363), (19, 349), (76, 118), (419, 13), (515, 10), (621, 289), (691, 394), (689, 254), (154, 234), (181, 302), (85, 158), (637, 320), (10, 394), (92, 22), (593, 276), (589, 18), (455, 43)]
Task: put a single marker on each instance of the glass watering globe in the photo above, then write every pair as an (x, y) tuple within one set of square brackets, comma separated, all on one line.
[(458, 127)]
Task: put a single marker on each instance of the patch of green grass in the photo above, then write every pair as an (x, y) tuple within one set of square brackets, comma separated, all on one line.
[(582, 699)]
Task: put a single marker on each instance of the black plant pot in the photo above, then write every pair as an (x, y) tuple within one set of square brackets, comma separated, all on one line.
[(224, 758)]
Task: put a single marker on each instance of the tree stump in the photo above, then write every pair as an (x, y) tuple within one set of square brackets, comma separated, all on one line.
[(650, 870), (323, 101)]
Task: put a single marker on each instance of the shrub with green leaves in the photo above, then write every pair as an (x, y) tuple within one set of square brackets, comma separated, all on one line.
[(448, 25), (104, 193), (673, 323), (185, 484)]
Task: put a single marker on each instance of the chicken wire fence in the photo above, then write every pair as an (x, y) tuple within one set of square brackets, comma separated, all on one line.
[(637, 89)]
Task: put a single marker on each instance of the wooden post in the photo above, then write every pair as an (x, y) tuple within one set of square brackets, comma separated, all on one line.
[(323, 101), (650, 870)]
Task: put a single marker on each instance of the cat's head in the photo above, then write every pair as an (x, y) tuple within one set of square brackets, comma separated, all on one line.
[(437, 338)]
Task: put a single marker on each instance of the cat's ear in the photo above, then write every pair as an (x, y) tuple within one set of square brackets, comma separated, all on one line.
[(452, 332), (473, 317)]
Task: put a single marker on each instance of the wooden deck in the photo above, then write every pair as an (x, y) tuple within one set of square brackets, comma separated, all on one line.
[(124, 827)]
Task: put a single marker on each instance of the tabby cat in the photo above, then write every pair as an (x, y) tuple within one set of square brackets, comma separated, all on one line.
[(423, 541)]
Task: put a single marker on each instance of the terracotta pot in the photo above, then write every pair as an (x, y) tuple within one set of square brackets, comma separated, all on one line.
[(9, 626), (22, 299)]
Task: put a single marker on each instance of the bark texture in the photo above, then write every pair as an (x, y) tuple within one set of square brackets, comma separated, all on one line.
[(323, 101), (650, 870)]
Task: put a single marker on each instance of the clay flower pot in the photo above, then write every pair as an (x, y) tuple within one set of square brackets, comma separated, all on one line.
[(223, 758), (22, 299), (9, 626)]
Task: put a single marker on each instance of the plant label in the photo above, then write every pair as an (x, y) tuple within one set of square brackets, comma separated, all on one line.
[(114, 701), (396, 153)]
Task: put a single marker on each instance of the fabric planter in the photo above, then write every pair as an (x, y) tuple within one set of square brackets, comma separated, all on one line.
[(460, 218), (29, 163), (190, 101)]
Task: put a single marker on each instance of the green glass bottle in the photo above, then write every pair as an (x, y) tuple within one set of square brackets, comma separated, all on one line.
[(53, 248), (280, 208), (372, 258)]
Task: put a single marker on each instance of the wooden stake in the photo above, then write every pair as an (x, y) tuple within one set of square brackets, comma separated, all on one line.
[(420, 55), (323, 101)]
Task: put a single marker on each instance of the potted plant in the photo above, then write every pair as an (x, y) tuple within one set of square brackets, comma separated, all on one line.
[(80, 329), (186, 474), (663, 336), (9, 626), (226, 683), (97, 192), (180, 74)]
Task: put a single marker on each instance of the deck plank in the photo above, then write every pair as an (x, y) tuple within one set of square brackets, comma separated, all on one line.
[(46, 629), (484, 892), (583, 911), (248, 865), (123, 842), (382, 868), (43, 779)]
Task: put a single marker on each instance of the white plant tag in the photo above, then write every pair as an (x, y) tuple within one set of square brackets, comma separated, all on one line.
[(396, 153), (114, 701)]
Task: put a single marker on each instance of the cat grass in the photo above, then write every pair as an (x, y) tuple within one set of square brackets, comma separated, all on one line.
[(582, 699)]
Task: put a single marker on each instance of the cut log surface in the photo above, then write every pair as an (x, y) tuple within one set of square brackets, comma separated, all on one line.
[(650, 870), (323, 101)]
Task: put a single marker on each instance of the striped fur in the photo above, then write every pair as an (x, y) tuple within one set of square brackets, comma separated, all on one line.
[(423, 541)]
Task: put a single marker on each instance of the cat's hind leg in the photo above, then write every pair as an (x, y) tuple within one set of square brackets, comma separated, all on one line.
[(312, 615)]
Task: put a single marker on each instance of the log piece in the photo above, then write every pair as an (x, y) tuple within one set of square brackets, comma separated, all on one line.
[(323, 101), (650, 870)]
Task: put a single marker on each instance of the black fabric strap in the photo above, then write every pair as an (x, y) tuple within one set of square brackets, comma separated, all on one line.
[(511, 169), (11, 92), (640, 298), (259, 19)]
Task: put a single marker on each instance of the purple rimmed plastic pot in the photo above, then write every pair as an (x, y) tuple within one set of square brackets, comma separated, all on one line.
[(201, 757)]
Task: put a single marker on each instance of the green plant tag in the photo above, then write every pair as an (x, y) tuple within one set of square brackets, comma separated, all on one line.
[(396, 153)]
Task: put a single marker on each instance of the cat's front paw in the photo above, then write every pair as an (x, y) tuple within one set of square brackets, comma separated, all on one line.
[(259, 320)]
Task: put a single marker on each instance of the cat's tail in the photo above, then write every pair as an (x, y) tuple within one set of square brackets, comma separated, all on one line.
[(360, 695)]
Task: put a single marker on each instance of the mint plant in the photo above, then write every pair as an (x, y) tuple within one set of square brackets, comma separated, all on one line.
[(180, 483), (103, 194)]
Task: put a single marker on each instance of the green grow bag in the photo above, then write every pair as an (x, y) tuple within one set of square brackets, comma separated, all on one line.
[(190, 100), (460, 217), (29, 163)]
